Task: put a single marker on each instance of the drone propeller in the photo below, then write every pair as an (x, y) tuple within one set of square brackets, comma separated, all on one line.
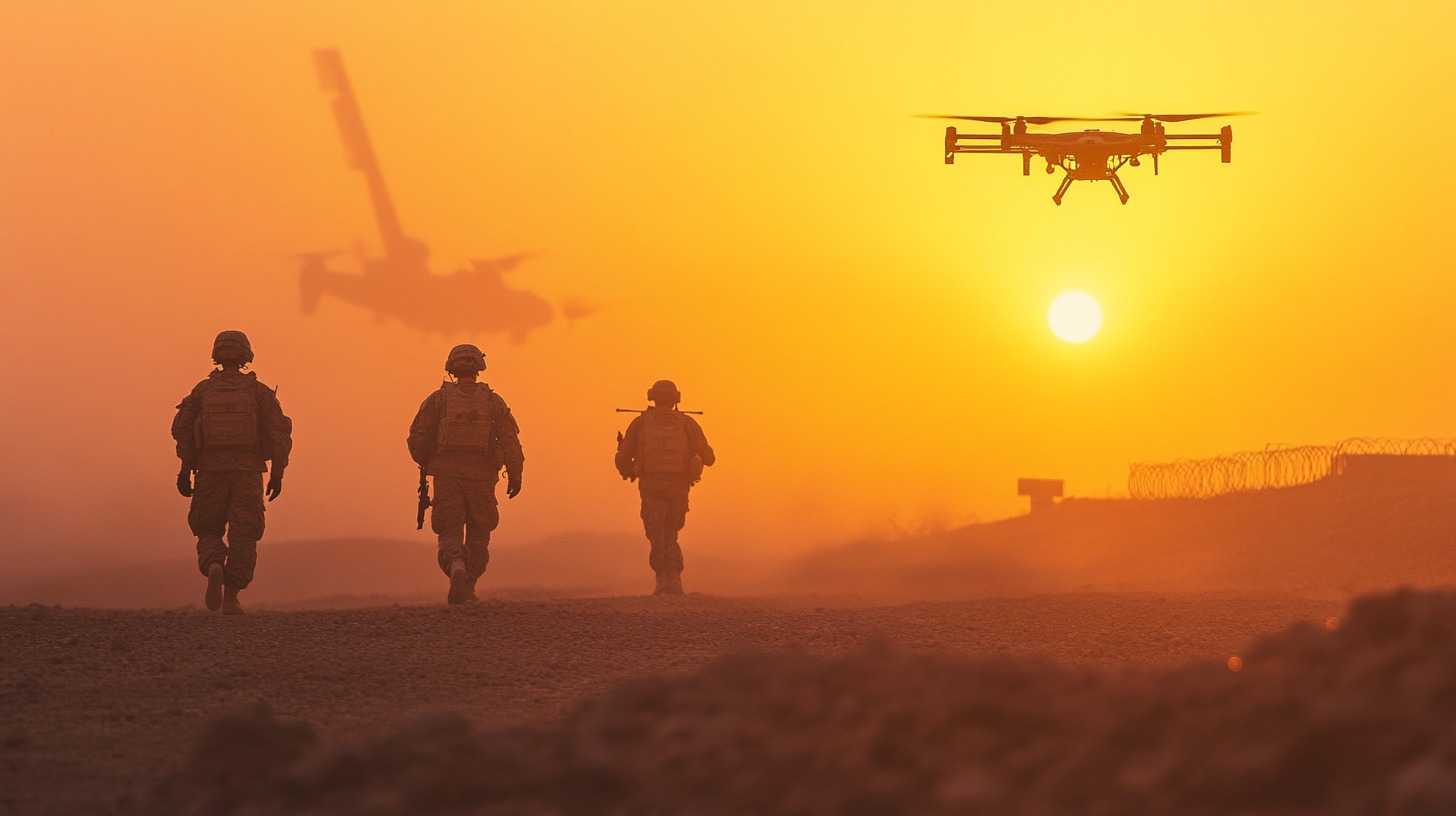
[(971, 118), (1179, 117), (1030, 120)]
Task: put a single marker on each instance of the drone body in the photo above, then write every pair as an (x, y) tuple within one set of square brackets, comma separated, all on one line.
[(1087, 155)]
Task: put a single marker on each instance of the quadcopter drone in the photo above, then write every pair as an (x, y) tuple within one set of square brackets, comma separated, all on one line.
[(1087, 155)]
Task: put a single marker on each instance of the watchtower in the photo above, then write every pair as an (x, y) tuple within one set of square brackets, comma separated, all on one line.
[(1043, 492)]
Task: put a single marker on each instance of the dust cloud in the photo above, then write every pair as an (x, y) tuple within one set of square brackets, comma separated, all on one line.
[(1332, 539)]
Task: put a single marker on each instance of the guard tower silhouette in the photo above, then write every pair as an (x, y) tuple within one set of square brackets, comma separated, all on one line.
[(1043, 492)]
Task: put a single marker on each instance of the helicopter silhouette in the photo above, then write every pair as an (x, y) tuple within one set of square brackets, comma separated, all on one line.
[(1087, 155), (399, 284)]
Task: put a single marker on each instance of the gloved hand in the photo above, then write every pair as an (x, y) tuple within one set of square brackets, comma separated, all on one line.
[(275, 484), (184, 481), (513, 485)]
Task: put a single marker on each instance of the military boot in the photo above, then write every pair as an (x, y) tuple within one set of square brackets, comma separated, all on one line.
[(460, 591), (230, 605), (213, 597)]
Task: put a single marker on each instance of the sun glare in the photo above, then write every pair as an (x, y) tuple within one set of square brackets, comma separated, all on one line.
[(1075, 317)]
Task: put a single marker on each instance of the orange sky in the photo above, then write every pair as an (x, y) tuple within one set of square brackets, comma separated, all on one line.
[(742, 188)]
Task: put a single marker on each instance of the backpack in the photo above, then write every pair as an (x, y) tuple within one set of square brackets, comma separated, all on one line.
[(228, 416), (663, 444), (465, 418)]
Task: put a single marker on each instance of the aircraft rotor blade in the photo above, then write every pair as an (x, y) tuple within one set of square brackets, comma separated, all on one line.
[(1047, 120), (1030, 120), (971, 118), (1184, 117), (317, 255), (500, 263)]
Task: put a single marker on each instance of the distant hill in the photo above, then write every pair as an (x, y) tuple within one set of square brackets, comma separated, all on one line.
[(1327, 538), (355, 572)]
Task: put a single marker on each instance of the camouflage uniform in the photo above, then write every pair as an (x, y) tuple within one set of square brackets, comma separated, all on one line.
[(227, 498), (664, 490), (464, 510)]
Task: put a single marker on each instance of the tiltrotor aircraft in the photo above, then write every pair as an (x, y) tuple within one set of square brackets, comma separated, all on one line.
[(400, 285)]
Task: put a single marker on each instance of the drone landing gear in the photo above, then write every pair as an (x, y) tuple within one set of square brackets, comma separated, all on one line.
[(1112, 177), (1117, 185), (1062, 190)]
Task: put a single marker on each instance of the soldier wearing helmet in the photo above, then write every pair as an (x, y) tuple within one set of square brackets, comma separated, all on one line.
[(462, 436), (227, 430), (665, 450)]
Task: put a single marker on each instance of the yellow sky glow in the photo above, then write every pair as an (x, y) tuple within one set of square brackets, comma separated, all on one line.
[(744, 192)]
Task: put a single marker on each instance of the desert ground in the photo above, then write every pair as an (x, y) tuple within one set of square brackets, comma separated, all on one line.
[(102, 704), (1283, 672)]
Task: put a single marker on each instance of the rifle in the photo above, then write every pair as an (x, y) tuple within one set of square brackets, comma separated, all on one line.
[(424, 501), (644, 410)]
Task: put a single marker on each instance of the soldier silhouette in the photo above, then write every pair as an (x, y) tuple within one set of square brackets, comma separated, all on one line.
[(462, 436), (226, 431), (665, 450)]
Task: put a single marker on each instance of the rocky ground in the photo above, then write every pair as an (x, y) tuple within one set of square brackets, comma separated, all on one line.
[(128, 711)]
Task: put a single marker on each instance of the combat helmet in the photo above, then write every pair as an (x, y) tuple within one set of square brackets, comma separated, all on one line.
[(232, 346), (664, 391), (465, 352)]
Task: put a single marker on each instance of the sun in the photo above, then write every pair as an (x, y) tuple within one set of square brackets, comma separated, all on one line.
[(1075, 317)]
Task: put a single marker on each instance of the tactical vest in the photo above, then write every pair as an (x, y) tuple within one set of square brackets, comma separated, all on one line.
[(465, 418), (663, 444), (228, 419)]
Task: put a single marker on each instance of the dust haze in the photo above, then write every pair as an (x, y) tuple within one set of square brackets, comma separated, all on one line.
[(162, 166), (737, 198)]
